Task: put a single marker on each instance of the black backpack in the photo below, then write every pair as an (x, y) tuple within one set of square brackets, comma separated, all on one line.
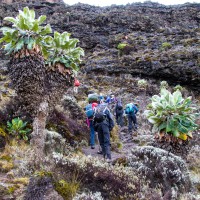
[(99, 113), (119, 106)]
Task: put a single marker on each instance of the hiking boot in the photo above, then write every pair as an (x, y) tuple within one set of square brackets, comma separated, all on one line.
[(92, 147), (108, 160), (100, 152)]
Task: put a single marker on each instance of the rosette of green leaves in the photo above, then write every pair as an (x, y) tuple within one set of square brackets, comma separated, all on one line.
[(18, 128), (172, 114), (63, 49), (26, 31)]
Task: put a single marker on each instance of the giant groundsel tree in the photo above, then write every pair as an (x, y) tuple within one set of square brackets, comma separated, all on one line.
[(40, 69)]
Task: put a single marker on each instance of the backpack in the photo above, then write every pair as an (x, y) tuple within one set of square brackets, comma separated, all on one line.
[(119, 106), (99, 114), (93, 97), (129, 108), (89, 111)]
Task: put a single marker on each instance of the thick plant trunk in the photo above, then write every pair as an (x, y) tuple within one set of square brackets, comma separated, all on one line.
[(27, 76), (38, 134)]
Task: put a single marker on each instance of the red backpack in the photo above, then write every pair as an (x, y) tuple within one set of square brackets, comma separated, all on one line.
[(76, 83)]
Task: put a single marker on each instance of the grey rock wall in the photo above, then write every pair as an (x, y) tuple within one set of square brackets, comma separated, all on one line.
[(145, 28)]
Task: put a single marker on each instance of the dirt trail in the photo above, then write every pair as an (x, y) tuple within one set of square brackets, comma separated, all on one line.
[(127, 140)]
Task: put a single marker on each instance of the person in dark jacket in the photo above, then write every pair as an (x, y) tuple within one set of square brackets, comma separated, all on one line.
[(132, 118), (119, 112), (103, 126)]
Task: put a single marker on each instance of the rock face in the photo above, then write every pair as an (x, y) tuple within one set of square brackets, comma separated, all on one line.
[(162, 42), (30, 1)]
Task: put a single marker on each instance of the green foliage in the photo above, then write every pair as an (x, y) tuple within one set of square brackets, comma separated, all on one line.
[(166, 45), (43, 173), (142, 83), (171, 114), (62, 49), (26, 31), (66, 190), (2, 132), (178, 87), (164, 84), (18, 128), (121, 46)]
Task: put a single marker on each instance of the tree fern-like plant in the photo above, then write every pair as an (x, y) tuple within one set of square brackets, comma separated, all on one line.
[(37, 84), (26, 33), (63, 59), (172, 116), (63, 50), (23, 42)]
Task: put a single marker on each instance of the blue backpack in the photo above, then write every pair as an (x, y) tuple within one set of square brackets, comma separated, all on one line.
[(129, 108), (89, 111)]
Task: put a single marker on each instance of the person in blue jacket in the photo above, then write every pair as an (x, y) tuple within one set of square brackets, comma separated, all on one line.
[(131, 114), (108, 99)]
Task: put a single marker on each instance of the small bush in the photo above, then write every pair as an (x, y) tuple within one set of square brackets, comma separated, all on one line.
[(66, 189), (142, 83), (121, 46), (18, 128), (164, 84), (166, 45), (172, 116), (178, 87)]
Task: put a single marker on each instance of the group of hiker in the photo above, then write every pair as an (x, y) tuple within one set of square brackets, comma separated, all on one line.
[(99, 112)]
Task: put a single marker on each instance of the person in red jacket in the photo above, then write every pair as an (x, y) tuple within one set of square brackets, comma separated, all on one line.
[(76, 85)]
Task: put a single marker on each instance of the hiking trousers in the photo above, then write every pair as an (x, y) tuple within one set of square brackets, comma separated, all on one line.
[(104, 138), (132, 120), (119, 119), (92, 134)]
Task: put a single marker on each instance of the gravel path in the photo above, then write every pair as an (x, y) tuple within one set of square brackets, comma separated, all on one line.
[(126, 139)]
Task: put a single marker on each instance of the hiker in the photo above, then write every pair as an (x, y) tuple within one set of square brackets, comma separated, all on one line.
[(90, 112), (101, 98), (112, 103), (108, 99), (103, 124), (76, 85), (119, 112), (112, 99), (131, 111)]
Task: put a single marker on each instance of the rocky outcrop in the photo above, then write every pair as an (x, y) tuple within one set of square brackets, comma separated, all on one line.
[(162, 42), (29, 1)]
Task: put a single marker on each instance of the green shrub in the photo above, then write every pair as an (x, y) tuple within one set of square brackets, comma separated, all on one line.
[(164, 84), (66, 190), (166, 45), (178, 87), (142, 83), (18, 128), (121, 46), (172, 115)]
